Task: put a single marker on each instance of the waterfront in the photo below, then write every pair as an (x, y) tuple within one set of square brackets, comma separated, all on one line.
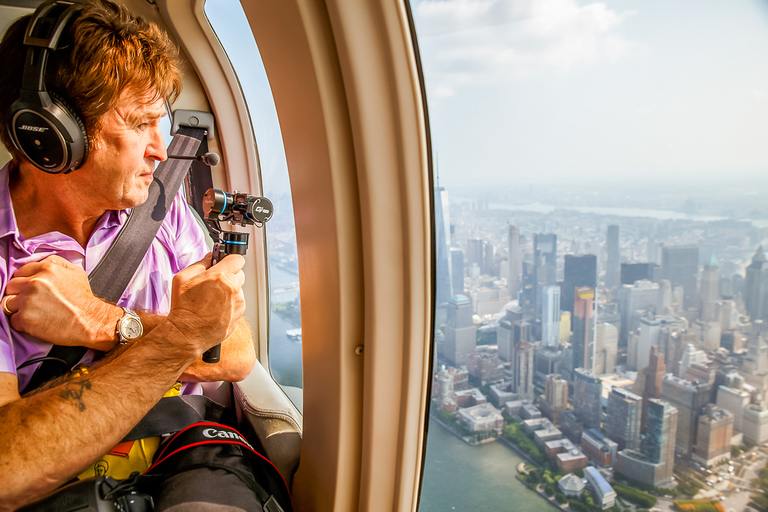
[(284, 354), (469, 478)]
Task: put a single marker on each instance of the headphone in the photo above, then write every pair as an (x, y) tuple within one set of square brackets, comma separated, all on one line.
[(47, 131)]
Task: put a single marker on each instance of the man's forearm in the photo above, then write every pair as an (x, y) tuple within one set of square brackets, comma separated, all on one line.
[(237, 359), (237, 354), (49, 437)]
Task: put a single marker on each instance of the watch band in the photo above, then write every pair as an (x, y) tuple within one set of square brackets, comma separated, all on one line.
[(129, 327)]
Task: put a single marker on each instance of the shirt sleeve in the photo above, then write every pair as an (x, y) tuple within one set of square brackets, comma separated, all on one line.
[(7, 358)]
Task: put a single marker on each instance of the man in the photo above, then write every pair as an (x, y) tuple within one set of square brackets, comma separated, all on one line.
[(116, 73)]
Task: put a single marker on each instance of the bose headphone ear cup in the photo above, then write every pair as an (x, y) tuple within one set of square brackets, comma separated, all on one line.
[(49, 134), (78, 137)]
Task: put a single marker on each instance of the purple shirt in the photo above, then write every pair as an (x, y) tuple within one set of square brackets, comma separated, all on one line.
[(179, 242)]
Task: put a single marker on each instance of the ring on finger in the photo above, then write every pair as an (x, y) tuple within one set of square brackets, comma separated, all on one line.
[(4, 303)]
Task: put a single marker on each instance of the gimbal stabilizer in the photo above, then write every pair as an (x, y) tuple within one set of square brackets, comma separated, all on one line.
[(236, 208)]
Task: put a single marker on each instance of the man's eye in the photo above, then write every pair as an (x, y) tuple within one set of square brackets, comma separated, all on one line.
[(142, 126)]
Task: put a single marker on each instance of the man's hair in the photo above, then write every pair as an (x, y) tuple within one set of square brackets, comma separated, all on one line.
[(104, 51)]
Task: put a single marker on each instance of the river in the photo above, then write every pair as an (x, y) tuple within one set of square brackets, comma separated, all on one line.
[(471, 478), (284, 354)]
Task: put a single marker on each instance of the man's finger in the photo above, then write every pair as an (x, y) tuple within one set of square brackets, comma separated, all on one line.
[(197, 267), (239, 278), (231, 263), (58, 260), (35, 267), (15, 285), (5, 306), (29, 269)]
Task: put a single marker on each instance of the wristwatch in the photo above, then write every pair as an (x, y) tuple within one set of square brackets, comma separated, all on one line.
[(129, 327)]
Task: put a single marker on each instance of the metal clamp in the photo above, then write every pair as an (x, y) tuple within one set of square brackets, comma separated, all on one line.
[(193, 119)]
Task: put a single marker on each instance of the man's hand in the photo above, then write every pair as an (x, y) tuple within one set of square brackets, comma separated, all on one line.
[(208, 301), (52, 300)]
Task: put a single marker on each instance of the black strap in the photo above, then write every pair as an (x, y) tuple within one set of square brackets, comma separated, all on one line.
[(198, 181), (174, 413), (116, 269)]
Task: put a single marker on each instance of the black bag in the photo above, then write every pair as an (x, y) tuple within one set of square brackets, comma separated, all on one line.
[(193, 460)]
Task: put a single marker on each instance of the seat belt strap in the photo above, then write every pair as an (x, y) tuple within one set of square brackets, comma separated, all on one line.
[(116, 269)]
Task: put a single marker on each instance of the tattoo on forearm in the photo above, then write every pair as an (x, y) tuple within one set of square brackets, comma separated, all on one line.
[(74, 394)]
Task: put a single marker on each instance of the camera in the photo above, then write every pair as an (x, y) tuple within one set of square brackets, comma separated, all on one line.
[(236, 208)]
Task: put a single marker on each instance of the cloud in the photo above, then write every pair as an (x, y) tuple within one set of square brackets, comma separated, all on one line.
[(495, 41)]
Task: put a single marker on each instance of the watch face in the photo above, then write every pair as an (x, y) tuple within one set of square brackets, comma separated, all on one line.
[(131, 328)]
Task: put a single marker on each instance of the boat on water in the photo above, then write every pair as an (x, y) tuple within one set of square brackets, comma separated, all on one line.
[(294, 334)]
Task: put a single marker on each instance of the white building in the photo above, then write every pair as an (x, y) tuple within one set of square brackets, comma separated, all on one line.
[(754, 423), (483, 417), (734, 400), (571, 485), (606, 496), (550, 316)]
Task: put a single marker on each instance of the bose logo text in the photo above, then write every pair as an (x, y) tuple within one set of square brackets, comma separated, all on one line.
[(28, 128)]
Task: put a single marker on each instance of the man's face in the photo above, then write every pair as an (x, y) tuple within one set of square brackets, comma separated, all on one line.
[(118, 171)]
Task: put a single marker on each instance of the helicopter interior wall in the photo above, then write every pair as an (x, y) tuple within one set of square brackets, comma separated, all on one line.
[(346, 88)]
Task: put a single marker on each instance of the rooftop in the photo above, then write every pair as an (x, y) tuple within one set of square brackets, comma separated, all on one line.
[(597, 480), (571, 482)]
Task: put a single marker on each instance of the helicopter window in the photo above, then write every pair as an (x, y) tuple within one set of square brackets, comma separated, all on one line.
[(600, 184), (229, 23)]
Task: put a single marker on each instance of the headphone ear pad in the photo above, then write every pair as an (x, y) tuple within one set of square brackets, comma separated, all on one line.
[(77, 137), (49, 133)]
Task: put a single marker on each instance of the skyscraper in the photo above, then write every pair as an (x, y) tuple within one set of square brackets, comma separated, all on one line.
[(660, 438), (475, 255), (654, 465), (555, 398), (654, 375), (612, 257), (756, 287), (623, 418), (587, 398), (633, 272), (680, 265), (460, 330), (522, 371), (643, 295), (583, 323), (443, 251), (606, 348), (544, 265), (709, 291), (579, 271), (713, 438), (688, 398), (515, 261), (550, 316), (640, 346), (457, 271)]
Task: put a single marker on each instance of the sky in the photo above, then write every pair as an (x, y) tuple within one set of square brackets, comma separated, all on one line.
[(564, 90)]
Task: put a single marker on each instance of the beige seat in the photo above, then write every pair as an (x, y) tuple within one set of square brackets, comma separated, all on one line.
[(266, 417)]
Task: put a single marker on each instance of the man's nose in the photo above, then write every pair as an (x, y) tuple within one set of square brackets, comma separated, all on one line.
[(156, 146)]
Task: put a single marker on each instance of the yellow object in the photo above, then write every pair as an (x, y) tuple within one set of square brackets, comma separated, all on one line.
[(128, 457)]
